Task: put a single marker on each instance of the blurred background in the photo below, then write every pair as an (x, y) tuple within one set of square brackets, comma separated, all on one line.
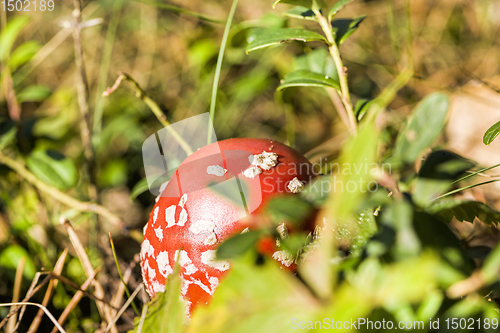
[(172, 54)]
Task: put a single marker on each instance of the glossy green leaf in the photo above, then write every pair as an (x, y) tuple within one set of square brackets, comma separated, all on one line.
[(289, 208), (491, 133), (465, 210), (425, 126), (53, 168), (237, 245), (264, 37), (303, 3), (304, 78), (140, 187), (36, 93), (343, 28), (167, 311), (9, 34), (23, 53), (337, 7), (301, 13)]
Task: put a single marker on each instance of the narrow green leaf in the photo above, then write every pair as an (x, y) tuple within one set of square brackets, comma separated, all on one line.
[(464, 210), (140, 187), (337, 7), (304, 78), (23, 53), (303, 3), (301, 13), (362, 106), (9, 35), (237, 245), (53, 168), (424, 127), (343, 28), (491, 134), (35, 93), (7, 133), (264, 37)]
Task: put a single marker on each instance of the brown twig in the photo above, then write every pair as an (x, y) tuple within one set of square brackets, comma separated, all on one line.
[(11, 325), (60, 196)]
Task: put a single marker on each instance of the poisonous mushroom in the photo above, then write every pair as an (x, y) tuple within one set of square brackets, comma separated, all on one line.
[(201, 206)]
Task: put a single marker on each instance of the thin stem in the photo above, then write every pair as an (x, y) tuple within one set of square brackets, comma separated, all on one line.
[(335, 53), (152, 106), (58, 195), (465, 188), (218, 68), (120, 273), (83, 96)]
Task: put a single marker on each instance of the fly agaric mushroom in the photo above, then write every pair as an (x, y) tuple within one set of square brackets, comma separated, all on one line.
[(201, 206)]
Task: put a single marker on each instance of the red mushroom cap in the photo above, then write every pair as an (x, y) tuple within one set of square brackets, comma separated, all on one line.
[(199, 209)]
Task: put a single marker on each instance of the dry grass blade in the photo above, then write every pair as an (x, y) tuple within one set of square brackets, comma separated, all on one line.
[(47, 312), (31, 291), (48, 294), (103, 308), (74, 301), (11, 326), (124, 307)]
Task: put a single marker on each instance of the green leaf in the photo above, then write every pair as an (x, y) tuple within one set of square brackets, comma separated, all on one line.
[(303, 3), (167, 311), (464, 210), (114, 173), (140, 187), (491, 133), (491, 265), (237, 245), (337, 7), (7, 133), (439, 170), (289, 208), (254, 298), (301, 13), (9, 34), (53, 168), (23, 53), (424, 127), (362, 106), (35, 93), (264, 37), (304, 78), (343, 28), (10, 257), (317, 61)]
